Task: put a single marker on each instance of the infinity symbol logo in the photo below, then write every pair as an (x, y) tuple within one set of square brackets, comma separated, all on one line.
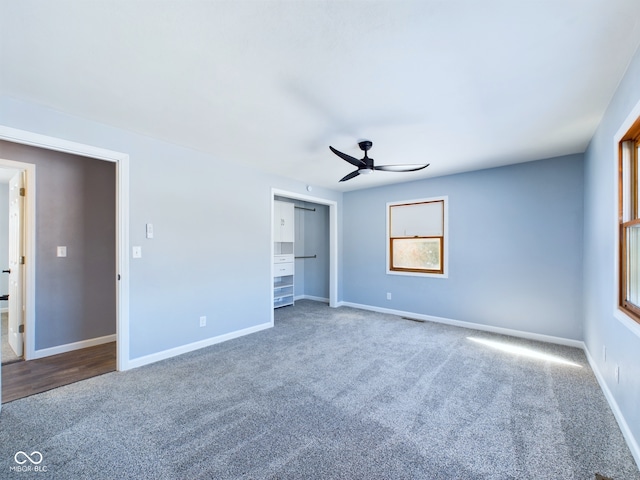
[(27, 457)]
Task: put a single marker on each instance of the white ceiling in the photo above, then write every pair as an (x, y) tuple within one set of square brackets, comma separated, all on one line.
[(459, 84)]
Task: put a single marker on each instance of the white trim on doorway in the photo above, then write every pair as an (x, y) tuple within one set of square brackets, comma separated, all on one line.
[(122, 231), (333, 240)]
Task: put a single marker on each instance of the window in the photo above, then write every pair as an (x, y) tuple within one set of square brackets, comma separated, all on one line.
[(417, 237), (629, 222)]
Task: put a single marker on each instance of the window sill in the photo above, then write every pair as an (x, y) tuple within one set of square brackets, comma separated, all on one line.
[(418, 274), (627, 321)]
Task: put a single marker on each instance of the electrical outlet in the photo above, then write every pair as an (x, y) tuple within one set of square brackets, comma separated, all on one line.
[(388, 295), (604, 353), (617, 374), (203, 321)]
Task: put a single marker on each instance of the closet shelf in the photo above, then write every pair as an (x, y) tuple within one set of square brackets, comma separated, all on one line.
[(283, 260)]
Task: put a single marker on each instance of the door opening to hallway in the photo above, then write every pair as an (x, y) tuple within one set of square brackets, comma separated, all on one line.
[(74, 302)]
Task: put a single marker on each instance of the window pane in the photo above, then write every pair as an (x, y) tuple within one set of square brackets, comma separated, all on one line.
[(633, 257), (627, 169), (417, 219), (416, 253)]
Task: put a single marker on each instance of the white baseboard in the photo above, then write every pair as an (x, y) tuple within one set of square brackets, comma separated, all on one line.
[(474, 326), (173, 352), (70, 347), (624, 427), (311, 297)]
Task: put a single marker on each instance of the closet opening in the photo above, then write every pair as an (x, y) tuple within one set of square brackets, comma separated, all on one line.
[(304, 249)]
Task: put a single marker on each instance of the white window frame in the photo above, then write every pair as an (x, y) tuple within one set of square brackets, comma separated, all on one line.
[(445, 242)]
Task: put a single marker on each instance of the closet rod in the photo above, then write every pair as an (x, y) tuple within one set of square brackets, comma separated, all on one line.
[(305, 208), (307, 256)]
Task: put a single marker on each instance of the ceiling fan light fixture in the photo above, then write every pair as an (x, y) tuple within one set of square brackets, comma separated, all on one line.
[(365, 171)]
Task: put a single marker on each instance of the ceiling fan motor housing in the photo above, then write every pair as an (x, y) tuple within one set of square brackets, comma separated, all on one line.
[(365, 145)]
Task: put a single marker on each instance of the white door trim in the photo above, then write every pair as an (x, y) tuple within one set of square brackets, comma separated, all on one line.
[(122, 232), (333, 240)]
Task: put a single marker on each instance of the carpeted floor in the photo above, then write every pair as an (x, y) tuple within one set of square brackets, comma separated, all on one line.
[(330, 393)]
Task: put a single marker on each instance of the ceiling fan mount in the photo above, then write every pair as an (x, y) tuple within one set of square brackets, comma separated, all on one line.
[(365, 164), (365, 145)]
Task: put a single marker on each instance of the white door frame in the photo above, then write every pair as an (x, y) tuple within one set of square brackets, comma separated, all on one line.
[(122, 231), (333, 241)]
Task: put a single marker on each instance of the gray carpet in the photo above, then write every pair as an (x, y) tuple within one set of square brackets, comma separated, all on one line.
[(329, 393)]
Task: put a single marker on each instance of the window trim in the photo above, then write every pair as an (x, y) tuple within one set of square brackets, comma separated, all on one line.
[(628, 314), (627, 187), (444, 251)]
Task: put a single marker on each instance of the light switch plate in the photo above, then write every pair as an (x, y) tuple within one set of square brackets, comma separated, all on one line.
[(61, 251), (137, 252), (149, 230)]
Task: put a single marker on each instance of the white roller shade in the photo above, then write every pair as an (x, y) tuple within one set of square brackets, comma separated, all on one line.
[(627, 158), (417, 220)]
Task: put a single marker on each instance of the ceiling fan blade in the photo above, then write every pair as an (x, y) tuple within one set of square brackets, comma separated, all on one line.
[(400, 168), (353, 174), (353, 161)]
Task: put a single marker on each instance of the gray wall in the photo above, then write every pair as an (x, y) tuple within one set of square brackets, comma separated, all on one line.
[(515, 248), (75, 207), (601, 327)]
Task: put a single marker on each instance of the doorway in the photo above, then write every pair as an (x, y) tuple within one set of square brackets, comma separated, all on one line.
[(13, 177), (121, 237), (11, 242), (332, 236)]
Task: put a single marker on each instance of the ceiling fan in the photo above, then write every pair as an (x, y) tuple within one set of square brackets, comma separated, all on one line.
[(366, 166)]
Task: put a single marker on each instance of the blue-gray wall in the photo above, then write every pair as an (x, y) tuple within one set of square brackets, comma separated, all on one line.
[(316, 235), (601, 325), (515, 248), (211, 254)]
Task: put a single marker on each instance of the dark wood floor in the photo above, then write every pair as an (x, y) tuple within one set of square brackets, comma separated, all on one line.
[(22, 379)]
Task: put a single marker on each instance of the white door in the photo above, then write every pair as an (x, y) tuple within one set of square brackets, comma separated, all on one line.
[(16, 251)]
